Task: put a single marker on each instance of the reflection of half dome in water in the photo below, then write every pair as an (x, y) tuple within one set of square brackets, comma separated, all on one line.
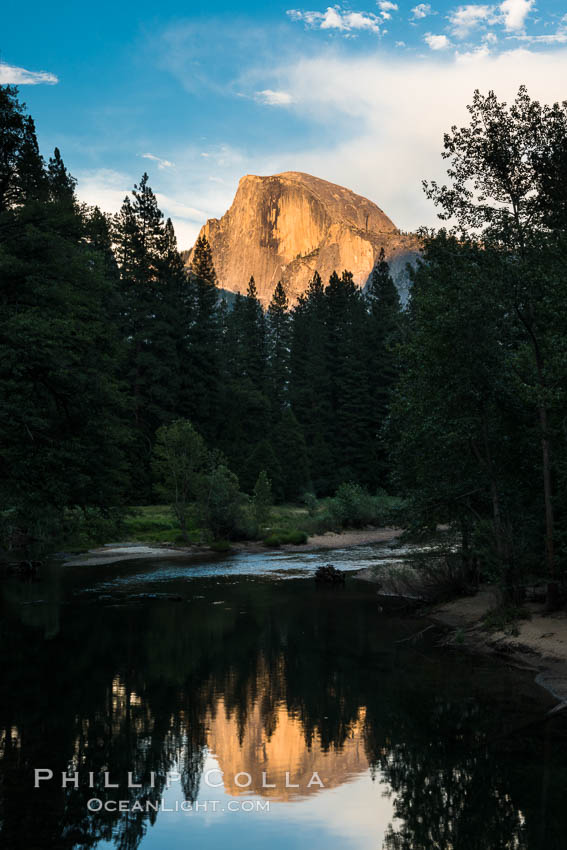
[(280, 750)]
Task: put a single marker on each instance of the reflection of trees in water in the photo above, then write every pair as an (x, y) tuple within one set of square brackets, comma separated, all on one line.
[(128, 689), (462, 776)]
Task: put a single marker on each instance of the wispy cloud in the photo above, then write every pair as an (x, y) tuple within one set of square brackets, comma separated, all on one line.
[(422, 10), (480, 52), (558, 37), (437, 42), (274, 98), (161, 163), (14, 76), (465, 19), (177, 209), (335, 18)]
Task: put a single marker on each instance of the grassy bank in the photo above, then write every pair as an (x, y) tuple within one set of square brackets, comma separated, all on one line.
[(286, 524)]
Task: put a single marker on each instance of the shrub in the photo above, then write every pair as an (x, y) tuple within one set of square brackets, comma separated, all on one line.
[(310, 502), (296, 538), (178, 463), (221, 503), (353, 507), (273, 540), (220, 546)]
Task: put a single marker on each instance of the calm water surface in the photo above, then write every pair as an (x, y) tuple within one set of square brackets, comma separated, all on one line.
[(285, 716)]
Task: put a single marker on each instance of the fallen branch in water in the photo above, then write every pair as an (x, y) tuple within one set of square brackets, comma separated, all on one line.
[(417, 634)]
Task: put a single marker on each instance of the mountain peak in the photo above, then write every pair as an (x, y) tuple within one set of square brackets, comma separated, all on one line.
[(287, 226)]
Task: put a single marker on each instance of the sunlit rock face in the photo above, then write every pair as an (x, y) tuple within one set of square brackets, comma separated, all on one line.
[(287, 226), (273, 752)]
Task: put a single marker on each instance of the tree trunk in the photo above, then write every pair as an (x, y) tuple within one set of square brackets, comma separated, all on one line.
[(552, 600)]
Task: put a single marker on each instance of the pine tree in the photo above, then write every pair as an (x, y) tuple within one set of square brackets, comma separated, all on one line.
[(384, 333), (155, 305), (202, 265), (310, 385), (291, 450), (12, 132), (61, 183), (349, 390), (32, 179), (61, 406), (279, 339), (262, 499), (203, 356), (263, 457), (254, 338)]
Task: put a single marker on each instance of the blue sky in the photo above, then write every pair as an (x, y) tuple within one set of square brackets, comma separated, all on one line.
[(200, 95)]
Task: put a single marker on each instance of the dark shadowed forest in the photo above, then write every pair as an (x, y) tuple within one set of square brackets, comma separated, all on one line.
[(126, 377)]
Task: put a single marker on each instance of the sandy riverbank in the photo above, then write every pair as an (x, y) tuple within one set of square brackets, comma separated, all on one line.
[(114, 553), (330, 540), (539, 643)]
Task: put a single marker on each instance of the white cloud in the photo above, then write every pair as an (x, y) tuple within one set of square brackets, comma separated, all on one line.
[(334, 18), (422, 10), (162, 163), (437, 42), (13, 76), (510, 13), (274, 98), (515, 13), (464, 19), (386, 9), (560, 37), (371, 132), (386, 139)]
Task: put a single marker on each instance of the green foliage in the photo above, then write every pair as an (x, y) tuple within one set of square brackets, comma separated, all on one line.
[(353, 507), (220, 503), (280, 537), (263, 457), (155, 310), (220, 546), (278, 341), (310, 502), (291, 450), (273, 540), (202, 266), (296, 538), (262, 499), (61, 404), (477, 425), (179, 461)]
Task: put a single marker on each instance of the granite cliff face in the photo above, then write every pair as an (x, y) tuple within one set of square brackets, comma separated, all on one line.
[(287, 226)]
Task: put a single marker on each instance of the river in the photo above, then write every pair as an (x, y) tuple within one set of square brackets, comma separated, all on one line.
[(234, 704)]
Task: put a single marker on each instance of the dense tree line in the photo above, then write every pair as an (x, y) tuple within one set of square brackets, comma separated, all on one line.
[(456, 403), (106, 337), (479, 426)]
